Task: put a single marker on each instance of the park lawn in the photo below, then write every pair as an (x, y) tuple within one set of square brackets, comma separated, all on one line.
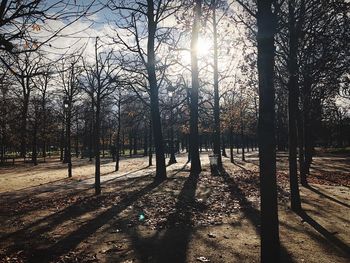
[(46, 217)]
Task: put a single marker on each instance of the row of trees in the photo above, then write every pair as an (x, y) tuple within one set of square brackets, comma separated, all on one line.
[(276, 67)]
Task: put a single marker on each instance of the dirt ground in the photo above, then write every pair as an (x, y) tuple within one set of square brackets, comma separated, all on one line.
[(46, 217)]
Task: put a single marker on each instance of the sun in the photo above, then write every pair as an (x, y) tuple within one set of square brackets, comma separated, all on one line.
[(203, 47)]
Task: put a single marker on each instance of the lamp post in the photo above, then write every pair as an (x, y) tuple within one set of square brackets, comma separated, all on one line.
[(68, 158), (172, 159)]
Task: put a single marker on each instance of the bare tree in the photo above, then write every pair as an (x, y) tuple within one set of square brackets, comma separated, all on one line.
[(146, 65), (20, 19), (194, 143), (24, 68), (69, 81), (100, 83)]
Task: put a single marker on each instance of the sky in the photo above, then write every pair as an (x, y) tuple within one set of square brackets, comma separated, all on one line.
[(81, 35)]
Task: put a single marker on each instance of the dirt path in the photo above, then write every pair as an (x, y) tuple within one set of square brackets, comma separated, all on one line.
[(183, 219), (19, 177)]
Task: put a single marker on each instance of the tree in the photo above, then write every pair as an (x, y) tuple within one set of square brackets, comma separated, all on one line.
[(69, 81), (24, 68), (293, 99), (19, 20), (270, 248), (323, 63), (42, 85), (117, 140), (152, 79), (194, 137), (216, 140), (142, 63), (101, 82)]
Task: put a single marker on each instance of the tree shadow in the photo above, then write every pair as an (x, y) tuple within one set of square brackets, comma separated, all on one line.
[(33, 187), (256, 163), (250, 211), (171, 245), (65, 190), (122, 175), (324, 232), (313, 189), (240, 166), (73, 239), (74, 210), (36, 230), (329, 168), (181, 169)]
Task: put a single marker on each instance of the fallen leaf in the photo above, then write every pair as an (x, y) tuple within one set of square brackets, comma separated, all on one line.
[(203, 259)]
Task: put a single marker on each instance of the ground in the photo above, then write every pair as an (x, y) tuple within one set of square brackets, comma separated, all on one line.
[(46, 217)]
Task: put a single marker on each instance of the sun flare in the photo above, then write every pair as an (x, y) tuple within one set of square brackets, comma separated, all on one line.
[(203, 49), (203, 46)]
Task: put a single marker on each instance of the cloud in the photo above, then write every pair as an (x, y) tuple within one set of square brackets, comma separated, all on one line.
[(60, 37)]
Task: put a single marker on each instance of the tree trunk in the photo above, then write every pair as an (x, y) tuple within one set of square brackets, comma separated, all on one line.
[(130, 144), (307, 124), (172, 159), (150, 144), (23, 132), (97, 146), (77, 137), (242, 140), (135, 142), (194, 137), (43, 125), (223, 145), (293, 110), (35, 138), (103, 143), (303, 179), (152, 79), (62, 142), (270, 247), (68, 138), (231, 145), (123, 143), (145, 141), (97, 127), (91, 130), (117, 150)]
